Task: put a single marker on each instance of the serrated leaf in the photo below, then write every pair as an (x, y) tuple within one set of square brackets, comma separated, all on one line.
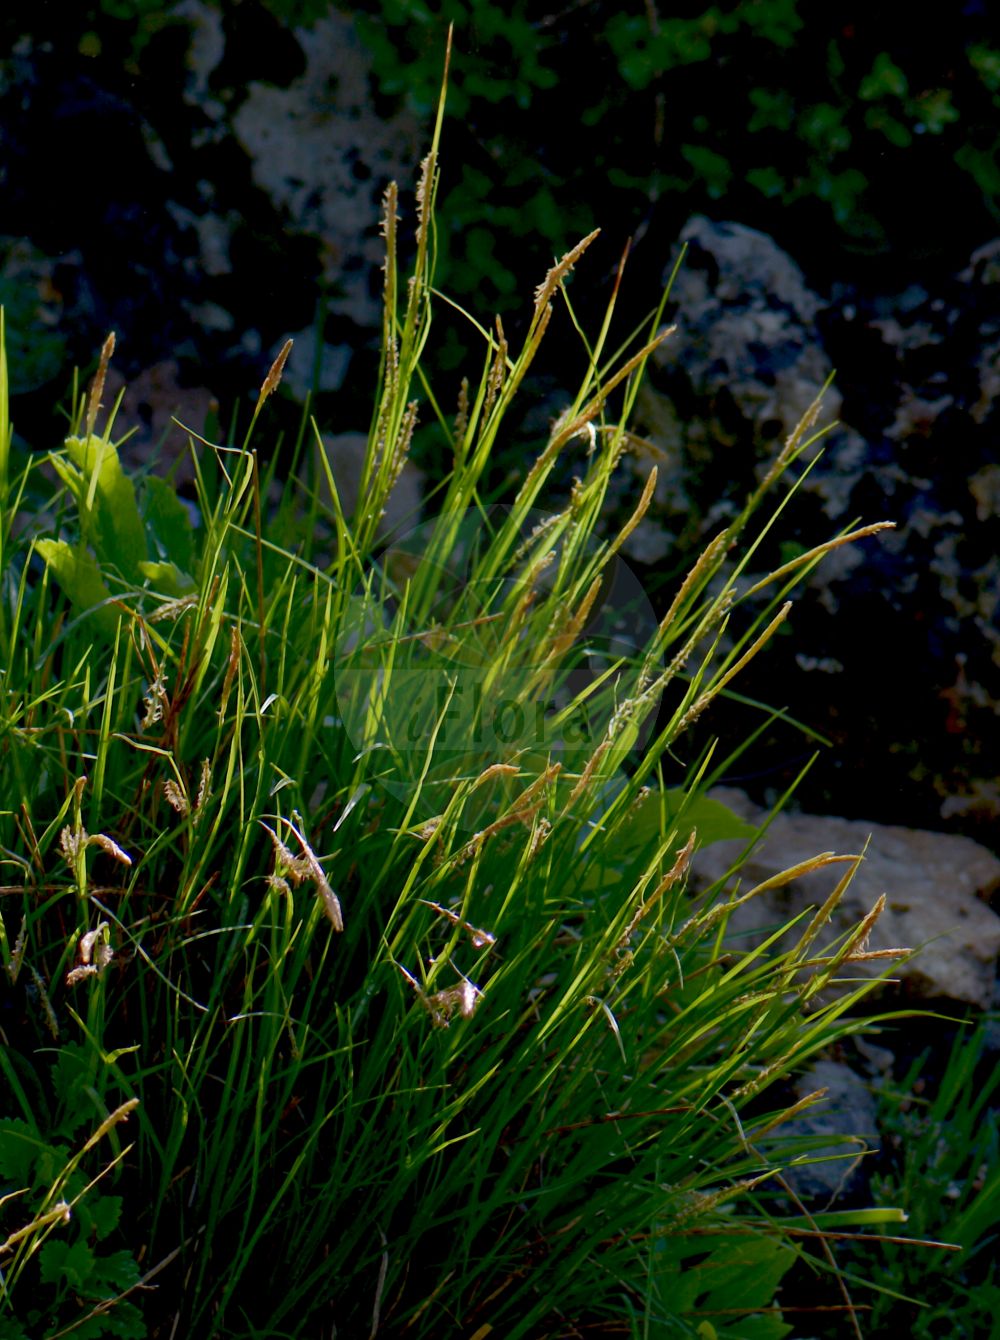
[(123, 1319), (171, 522), (63, 1263), (51, 1163), (105, 1212), (80, 577), (10, 1329), (117, 1271), (118, 533), (741, 1272)]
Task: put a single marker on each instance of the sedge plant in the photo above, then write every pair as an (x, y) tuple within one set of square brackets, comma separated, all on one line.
[(418, 1026)]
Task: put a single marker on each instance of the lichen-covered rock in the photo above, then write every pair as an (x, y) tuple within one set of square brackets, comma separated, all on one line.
[(323, 157), (909, 624), (935, 885), (746, 344)]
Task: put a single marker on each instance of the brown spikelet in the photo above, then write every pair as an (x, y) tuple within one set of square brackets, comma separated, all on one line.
[(404, 438), (700, 703), (642, 508), (675, 872), (110, 848), (570, 630), (573, 427), (175, 797), (703, 921), (588, 772), (79, 974), (17, 954), (807, 1100), (495, 770), (390, 212), (494, 383), (560, 270), (792, 443), (861, 533), (109, 1122), (705, 564), (425, 195), (462, 413), (48, 1013), (523, 810), (479, 939), (273, 377), (97, 385), (858, 943), (204, 786)]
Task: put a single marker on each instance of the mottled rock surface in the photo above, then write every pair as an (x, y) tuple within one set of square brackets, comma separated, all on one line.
[(909, 625), (935, 884), (848, 1113)]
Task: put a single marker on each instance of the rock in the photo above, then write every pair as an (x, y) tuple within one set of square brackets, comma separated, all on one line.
[(324, 158), (916, 613), (302, 365), (346, 454), (848, 1113), (745, 344), (934, 884), (156, 410)]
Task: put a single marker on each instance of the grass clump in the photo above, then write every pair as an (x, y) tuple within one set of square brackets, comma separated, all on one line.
[(354, 874)]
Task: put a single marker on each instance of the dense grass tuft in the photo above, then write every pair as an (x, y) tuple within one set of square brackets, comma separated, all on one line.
[(336, 1006)]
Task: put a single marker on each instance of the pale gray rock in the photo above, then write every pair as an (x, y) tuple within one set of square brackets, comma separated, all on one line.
[(205, 52), (935, 886), (324, 157), (745, 334), (329, 369), (346, 454), (159, 415), (848, 1114)]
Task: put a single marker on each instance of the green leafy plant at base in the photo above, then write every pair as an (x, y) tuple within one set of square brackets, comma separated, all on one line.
[(421, 1036), (55, 1218), (941, 1145)]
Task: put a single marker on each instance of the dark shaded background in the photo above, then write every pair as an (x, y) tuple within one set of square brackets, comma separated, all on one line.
[(862, 138)]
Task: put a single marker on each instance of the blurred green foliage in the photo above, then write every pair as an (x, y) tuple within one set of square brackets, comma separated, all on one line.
[(826, 110), (833, 121)]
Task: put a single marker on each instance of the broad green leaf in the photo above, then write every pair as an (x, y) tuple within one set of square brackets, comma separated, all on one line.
[(118, 1271), (742, 1271), (62, 1263), (52, 1161), (168, 578), (119, 535), (105, 1211), (171, 522), (80, 577), (714, 821), (124, 1320)]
